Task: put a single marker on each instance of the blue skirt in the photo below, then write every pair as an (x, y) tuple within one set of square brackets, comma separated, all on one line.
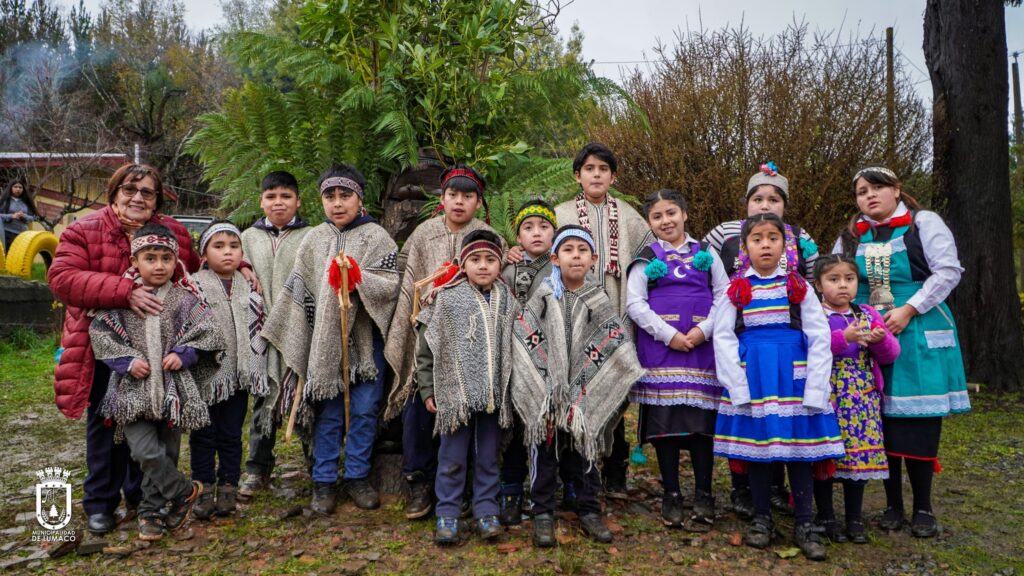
[(775, 425)]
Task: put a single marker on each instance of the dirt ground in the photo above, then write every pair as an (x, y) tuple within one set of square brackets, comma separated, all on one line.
[(979, 500)]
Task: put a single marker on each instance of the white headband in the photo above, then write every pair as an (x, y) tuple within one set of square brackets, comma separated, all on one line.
[(216, 229)]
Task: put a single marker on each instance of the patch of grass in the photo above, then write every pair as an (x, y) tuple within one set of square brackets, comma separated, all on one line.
[(26, 380)]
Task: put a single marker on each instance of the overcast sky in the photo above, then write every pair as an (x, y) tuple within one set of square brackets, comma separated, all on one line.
[(613, 35)]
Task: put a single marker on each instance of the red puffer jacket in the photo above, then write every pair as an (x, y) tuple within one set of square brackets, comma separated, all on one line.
[(91, 256)]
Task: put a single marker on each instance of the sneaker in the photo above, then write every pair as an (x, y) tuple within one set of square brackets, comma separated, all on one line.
[(179, 510), (594, 527), (421, 496), (151, 528), (759, 533), (489, 527), (780, 500), (892, 519), (924, 524), (204, 507), (447, 532), (251, 484), (365, 497), (808, 538), (544, 530), (325, 498), (227, 497), (672, 509), (855, 532), (742, 503), (703, 517), (511, 509), (829, 528)]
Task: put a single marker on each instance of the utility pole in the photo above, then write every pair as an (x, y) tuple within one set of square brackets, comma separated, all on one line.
[(138, 153), (890, 100), (1018, 122)]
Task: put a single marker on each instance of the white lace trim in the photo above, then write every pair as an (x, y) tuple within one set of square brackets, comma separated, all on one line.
[(702, 402), (781, 317), (876, 475), (799, 371), (758, 293), (826, 451), (926, 405), (772, 408)]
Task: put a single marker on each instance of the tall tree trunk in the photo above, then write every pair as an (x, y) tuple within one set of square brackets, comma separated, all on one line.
[(965, 50)]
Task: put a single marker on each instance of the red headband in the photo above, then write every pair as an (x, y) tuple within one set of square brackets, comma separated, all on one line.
[(456, 172), (479, 246)]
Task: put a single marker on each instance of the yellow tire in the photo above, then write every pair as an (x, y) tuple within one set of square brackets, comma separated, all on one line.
[(3, 258), (25, 248)]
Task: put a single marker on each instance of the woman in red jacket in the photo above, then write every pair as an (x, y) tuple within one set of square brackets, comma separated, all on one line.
[(92, 255)]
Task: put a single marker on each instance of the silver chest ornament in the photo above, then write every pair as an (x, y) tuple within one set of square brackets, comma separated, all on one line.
[(878, 264)]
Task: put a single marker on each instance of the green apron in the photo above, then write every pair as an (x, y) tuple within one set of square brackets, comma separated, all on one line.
[(927, 379)]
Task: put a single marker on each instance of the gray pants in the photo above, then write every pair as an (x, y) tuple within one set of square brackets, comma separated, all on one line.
[(155, 447)]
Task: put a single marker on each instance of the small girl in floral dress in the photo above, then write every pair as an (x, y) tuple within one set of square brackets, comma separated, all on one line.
[(860, 344)]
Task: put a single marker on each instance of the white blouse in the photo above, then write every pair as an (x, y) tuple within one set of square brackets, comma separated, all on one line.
[(649, 321), (819, 350), (939, 251)]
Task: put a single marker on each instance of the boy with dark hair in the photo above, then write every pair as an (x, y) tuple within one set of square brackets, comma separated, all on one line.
[(434, 243), (573, 365), (336, 400), (271, 245), (463, 366), (156, 362)]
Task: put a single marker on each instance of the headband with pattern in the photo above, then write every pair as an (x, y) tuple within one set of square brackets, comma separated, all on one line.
[(535, 210), (154, 241), (573, 233), (480, 245), (341, 182), (216, 229), (879, 169), (464, 173)]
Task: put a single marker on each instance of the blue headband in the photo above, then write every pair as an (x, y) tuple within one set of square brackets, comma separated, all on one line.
[(573, 233)]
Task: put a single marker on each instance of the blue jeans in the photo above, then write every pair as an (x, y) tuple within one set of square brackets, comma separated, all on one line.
[(366, 397)]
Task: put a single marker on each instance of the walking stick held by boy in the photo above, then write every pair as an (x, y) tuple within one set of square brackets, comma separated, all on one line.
[(343, 276)]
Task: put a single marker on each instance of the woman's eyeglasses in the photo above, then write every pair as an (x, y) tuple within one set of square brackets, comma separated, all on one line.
[(130, 191)]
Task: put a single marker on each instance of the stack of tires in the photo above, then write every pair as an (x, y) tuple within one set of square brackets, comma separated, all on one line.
[(18, 261)]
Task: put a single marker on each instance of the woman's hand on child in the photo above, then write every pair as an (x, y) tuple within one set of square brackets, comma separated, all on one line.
[(142, 301), (514, 255), (695, 337), (172, 362), (139, 369), (876, 335), (896, 320), (251, 278), (680, 343), (431, 407)]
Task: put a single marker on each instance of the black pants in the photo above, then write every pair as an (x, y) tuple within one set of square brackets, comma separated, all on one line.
[(547, 458), (111, 468), (615, 465), (221, 439)]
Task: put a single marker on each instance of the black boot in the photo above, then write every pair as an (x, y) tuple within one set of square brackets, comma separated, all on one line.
[(365, 497), (511, 509), (892, 519), (742, 503), (325, 498), (544, 530), (808, 538), (594, 527), (759, 533), (672, 509), (780, 500), (421, 496), (100, 524), (703, 517), (924, 524)]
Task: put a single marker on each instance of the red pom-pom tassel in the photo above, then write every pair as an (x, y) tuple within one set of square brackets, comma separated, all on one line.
[(823, 469), (737, 466), (449, 273), (355, 275), (796, 287), (740, 292)]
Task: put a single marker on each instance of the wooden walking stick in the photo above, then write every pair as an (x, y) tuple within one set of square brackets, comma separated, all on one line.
[(299, 385), (444, 272), (343, 276)]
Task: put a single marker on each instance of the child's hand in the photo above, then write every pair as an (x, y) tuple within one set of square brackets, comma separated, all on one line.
[(695, 337), (514, 255), (896, 320), (854, 333), (139, 369), (172, 362), (431, 407), (876, 335), (251, 278), (680, 343)]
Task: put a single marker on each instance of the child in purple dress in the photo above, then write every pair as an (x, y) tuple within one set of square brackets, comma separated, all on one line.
[(672, 286), (860, 344)]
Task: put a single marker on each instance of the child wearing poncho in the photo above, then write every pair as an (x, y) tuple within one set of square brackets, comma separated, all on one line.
[(673, 285), (573, 366), (773, 356), (463, 364), (238, 312), (155, 364), (305, 326)]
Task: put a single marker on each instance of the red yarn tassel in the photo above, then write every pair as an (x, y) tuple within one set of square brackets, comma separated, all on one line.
[(355, 275), (740, 292), (737, 466), (823, 469), (796, 287), (450, 273)]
